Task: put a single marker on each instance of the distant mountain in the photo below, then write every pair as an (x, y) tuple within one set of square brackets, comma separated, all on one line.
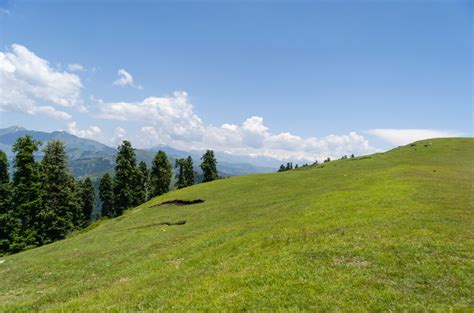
[(77, 148), (225, 164), (91, 158)]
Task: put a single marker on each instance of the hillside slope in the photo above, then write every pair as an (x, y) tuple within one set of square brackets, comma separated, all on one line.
[(392, 231)]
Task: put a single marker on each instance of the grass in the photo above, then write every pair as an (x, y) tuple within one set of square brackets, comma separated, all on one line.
[(391, 232)]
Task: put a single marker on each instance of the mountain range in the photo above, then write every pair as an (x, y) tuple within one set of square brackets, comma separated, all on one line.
[(91, 158)]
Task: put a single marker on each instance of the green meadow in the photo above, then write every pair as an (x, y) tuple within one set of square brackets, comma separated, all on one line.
[(392, 231)]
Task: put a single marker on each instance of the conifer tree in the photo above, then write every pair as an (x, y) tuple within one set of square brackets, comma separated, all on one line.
[(9, 226), (106, 194), (125, 178), (180, 178), (143, 182), (282, 168), (209, 166), (26, 186), (88, 197), (188, 171), (77, 209), (161, 173), (5, 187), (57, 195)]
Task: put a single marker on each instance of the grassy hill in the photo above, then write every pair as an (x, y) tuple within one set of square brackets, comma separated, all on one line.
[(391, 231)]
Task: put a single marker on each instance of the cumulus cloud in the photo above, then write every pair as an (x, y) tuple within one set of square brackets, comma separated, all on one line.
[(75, 67), (30, 85), (119, 135), (174, 114), (91, 133), (171, 120), (405, 136), (125, 79)]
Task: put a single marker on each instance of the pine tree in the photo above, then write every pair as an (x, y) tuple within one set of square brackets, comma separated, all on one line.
[(5, 187), (57, 195), (282, 168), (125, 178), (143, 182), (26, 186), (180, 178), (209, 166), (188, 171), (77, 208), (9, 226), (106, 194), (88, 197), (161, 173)]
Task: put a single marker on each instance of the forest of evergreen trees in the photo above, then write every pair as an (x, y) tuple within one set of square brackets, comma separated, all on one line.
[(42, 202)]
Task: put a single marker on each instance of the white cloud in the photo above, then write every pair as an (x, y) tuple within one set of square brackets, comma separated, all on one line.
[(405, 136), (125, 79), (174, 114), (171, 120), (30, 85), (119, 135), (52, 112), (91, 133), (75, 67)]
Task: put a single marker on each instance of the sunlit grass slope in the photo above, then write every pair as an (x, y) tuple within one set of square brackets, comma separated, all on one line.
[(393, 231)]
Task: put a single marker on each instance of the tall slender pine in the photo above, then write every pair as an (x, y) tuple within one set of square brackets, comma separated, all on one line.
[(161, 173), (209, 166), (125, 178), (9, 226), (26, 186), (106, 194), (59, 202), (88, 197)]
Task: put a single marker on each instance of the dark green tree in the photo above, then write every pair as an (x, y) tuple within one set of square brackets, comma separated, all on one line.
[(209, 166), (143, 183), (9, 226), (282, 168), (58, 197), (26, 186), (180, 178), (161, 173), (88, 198), (106, 194), (125, 178), (78, 219), (5, 187), (188, 171)]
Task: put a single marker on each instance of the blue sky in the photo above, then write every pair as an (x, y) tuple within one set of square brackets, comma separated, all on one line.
[(293, 79)]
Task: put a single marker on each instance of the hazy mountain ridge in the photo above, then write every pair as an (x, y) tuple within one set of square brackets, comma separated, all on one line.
[(91, 158)]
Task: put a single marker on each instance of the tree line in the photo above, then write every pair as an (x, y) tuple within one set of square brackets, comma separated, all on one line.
[(43, 202), (289, 165)]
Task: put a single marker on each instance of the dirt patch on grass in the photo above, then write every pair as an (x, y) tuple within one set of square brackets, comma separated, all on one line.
[(182, 222), (178, 202), (177, 223), (361, 158)]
